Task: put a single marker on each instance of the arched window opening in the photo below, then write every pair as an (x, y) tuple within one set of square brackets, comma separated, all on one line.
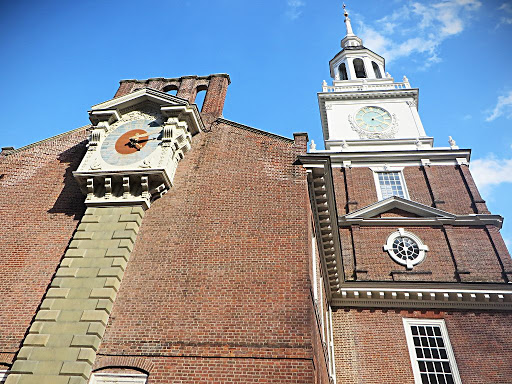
[(359, 68), (199, 100), (376, 69), (171, 90), (343, 71)]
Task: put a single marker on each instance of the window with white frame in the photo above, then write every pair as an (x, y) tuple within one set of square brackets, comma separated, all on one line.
[(118, 378), (390, 183), (431, 354)]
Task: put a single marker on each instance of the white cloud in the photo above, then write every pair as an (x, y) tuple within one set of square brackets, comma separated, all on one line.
[(506, 17), (294, 8), (491, 172), (508, 243), (419, 28), (503, 107)]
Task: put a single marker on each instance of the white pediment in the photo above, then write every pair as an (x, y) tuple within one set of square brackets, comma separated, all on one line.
[(110, 111), (394, 202)]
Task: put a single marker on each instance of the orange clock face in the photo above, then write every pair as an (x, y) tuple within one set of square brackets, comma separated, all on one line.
[(131, 141)]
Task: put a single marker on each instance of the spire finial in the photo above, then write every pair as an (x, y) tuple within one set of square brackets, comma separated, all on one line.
[(347, 21)]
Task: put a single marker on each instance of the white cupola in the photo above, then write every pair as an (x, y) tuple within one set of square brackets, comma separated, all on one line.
[(354, 61)]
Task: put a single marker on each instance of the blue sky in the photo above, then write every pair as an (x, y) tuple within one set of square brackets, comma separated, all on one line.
[(61, 57)]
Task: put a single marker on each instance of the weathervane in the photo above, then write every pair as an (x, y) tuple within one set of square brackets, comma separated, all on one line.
[(347, 21)]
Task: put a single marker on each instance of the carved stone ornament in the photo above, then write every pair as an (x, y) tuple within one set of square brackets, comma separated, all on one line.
[(388, 133), (134, 159)]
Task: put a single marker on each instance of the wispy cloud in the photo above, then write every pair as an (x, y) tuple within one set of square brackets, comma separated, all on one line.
[(506, 14), (491, 172), (294, 8), (419, 28), (503, 107)]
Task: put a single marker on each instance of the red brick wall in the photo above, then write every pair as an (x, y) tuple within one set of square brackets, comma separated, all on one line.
[(220, 266), (40, 206), (472, 256), (475, 255), (446, 183), (195, 369), (371, 346)]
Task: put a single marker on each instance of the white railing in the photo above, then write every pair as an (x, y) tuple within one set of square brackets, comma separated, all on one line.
[(364, 87)]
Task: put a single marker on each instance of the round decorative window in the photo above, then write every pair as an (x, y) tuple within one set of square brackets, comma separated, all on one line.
[(405, 248)]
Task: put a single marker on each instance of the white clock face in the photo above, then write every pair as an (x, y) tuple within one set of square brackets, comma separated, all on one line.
[(131, 142), (373, 119)]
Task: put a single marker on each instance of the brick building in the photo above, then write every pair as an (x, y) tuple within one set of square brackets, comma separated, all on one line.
[(207, 251)]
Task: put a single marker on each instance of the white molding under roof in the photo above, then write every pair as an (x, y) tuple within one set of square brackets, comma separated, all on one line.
[(426, 297), (323, 206), (434, 156), (428, 215)]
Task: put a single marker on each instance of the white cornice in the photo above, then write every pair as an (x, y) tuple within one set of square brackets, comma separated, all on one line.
[(437, 156), (425, 297), (125, 101), (325, 216)]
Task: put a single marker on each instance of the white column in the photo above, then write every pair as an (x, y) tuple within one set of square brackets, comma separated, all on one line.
[(313, 260), (350, 68), (331, 345), (370, 73)]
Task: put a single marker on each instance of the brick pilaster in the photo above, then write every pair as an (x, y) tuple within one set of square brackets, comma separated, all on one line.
[(436, 199), (349, 182), (478, 202)]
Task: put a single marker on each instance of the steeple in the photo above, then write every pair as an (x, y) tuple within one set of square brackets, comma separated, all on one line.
[(365, 109), (350, 40)]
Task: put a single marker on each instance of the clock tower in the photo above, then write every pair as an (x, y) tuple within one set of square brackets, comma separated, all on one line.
[(365, 108)]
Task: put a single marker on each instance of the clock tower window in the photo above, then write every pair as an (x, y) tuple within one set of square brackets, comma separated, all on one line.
[(343, 71), (359, 68)]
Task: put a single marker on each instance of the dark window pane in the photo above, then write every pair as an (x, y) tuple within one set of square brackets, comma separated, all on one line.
[(424, 378), (440, 379), (439, 368), (416, 341), (419, 353), (427, 353), (359, 68), (430, 366), (422, 330), (444, 356), (449, 380), (446, 367), (422, 366), (435, 354), (343, 71), (430, 332), (440, 342), (437, 331), (432, 378)]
